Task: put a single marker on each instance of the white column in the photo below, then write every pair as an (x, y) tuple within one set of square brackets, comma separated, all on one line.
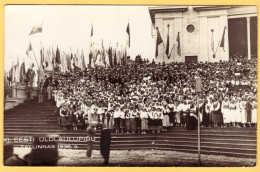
[(248, 38)]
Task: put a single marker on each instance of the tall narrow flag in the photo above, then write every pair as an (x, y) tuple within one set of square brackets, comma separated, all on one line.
[(158, 42), (103, 54), (178, 44), (36, 29), (53, 57), (223, 40), (128, 32), (125, 55), (17, 71), (22, 72), (91, 34), (42, 58), (72, 62), (83, 61), (47, 57), (110, 56), (90, 59), (115, 59), (167, 43), (29, 49), (58, 56)]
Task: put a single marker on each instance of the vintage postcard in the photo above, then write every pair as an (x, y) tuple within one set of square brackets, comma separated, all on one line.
[(130, 85)]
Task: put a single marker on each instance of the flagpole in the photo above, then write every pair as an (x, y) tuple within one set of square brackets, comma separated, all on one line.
[(167, 43), (171, 50), (129, 41), (173, 47), (214, 55), (163, 48), (36, 60)]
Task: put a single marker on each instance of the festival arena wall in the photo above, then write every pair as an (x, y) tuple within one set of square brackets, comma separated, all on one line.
[(201, 42)]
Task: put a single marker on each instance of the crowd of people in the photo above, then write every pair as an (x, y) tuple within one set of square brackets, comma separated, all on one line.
[(148, 97)]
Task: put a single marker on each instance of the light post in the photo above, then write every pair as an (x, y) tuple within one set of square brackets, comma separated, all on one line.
[(198, 90)]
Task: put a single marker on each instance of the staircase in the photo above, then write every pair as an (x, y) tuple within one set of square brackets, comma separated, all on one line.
[(30, 119)]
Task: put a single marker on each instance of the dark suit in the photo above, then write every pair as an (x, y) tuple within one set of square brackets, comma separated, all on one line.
[(105, 140), (249, 111)]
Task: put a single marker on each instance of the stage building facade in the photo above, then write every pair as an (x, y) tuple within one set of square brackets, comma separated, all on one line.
[(201, 30)]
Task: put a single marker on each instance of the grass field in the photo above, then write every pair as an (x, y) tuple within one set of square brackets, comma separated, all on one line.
[(144, 158)]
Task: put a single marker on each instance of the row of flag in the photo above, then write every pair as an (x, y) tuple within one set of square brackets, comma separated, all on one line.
[(61, 61), (112, 56), (167, 50), (18, 73), (177, 43)]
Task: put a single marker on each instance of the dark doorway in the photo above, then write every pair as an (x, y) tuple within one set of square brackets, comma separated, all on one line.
[(191, 59), (253, 35), (237, 35)]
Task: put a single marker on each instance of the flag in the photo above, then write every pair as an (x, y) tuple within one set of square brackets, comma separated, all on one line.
[(110, 56), (6, 85), (29, 49), (72, 62), (36, 29), (83, 61), (10, 75), (90, 59), (13, 74), (98, 61), (103, 54), (41, 75), (167, 43), (48, 58), (17, 72), (223, 40), (64, 66), (158, 42), (68, 58), (178, 44), (77, 58), (124, 60), (115, 59), (22, 72), (118, 57), (58, 56), (53, 58), (42, 58), (128, 32), (91, 33)]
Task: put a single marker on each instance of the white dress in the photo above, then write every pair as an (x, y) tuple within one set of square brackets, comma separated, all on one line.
[(238, 112), (233, 111), (254, 112), (226, 112), (243, 112), (177, 116)]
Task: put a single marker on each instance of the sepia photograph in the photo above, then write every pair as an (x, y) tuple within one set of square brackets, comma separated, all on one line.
[(130, 86)]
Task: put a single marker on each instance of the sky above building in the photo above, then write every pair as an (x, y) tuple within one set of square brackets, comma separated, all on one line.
[(69, 28)]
